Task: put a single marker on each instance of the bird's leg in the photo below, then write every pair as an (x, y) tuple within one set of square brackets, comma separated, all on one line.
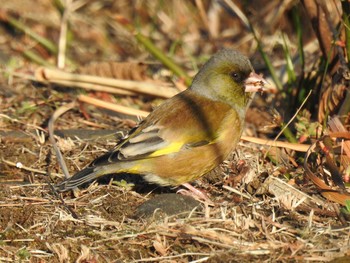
[(196, 194)]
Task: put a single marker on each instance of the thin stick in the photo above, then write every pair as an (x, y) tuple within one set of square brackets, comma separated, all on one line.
[(53, 118), (294, 116), (293, 146), (54, 75), (290, 121), (113, 107), (26, 168), (62, 43), (95, 87)]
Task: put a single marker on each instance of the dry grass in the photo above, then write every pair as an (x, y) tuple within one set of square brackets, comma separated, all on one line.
[(265, 208)]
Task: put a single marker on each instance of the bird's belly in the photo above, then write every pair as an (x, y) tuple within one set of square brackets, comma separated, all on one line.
[(191, 163), (186, 166)]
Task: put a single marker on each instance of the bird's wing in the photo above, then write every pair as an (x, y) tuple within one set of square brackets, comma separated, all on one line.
[(144, 143), (185, 125)]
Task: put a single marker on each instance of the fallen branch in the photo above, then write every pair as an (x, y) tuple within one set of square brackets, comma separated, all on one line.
[(115, 86)]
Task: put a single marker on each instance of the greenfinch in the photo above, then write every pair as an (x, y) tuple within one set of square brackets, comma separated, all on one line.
[(189, 134)]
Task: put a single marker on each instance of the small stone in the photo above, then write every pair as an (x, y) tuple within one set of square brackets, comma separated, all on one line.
[(168, 204)]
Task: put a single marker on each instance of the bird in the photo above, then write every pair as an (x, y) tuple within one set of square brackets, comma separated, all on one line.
[(189, 134)]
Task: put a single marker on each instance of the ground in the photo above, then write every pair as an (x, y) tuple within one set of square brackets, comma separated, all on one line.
[(265, 207)]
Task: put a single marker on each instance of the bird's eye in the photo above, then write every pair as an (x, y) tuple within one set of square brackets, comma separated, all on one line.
[(236, 76)]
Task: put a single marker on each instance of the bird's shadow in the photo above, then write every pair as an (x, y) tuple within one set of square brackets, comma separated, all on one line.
[(137, 183)]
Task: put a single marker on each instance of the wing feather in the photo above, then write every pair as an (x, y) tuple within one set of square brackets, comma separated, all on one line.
[(149, 139)]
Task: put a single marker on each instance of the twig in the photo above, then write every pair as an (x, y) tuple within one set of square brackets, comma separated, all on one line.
[(58, 76), (294, 116), (26, 168), (236, 192), (62, 42), (90, 86), (59, 156), (293, 146), (52, 120), (112, 106)]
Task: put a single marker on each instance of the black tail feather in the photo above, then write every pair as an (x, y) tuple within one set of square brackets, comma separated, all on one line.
[(84, 176)]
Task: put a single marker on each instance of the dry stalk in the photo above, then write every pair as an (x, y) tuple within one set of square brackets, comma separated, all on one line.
[(110, 84)]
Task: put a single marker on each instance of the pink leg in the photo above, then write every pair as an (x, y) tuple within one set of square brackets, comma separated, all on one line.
[(196, 194)]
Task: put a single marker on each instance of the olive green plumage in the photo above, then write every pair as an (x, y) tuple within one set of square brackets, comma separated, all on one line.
[(186, 136)]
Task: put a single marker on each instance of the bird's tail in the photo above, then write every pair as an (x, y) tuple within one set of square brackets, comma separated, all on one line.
[(84, 176)]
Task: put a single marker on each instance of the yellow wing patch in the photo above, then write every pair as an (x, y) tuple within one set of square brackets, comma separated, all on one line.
[(171, 148)]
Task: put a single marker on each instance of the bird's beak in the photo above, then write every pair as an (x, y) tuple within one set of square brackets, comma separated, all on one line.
[(256, 82)]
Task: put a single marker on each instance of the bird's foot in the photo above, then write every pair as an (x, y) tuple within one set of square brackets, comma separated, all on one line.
[(196, 194)]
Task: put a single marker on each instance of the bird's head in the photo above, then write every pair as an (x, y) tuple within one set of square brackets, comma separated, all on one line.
[(228, 77)]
